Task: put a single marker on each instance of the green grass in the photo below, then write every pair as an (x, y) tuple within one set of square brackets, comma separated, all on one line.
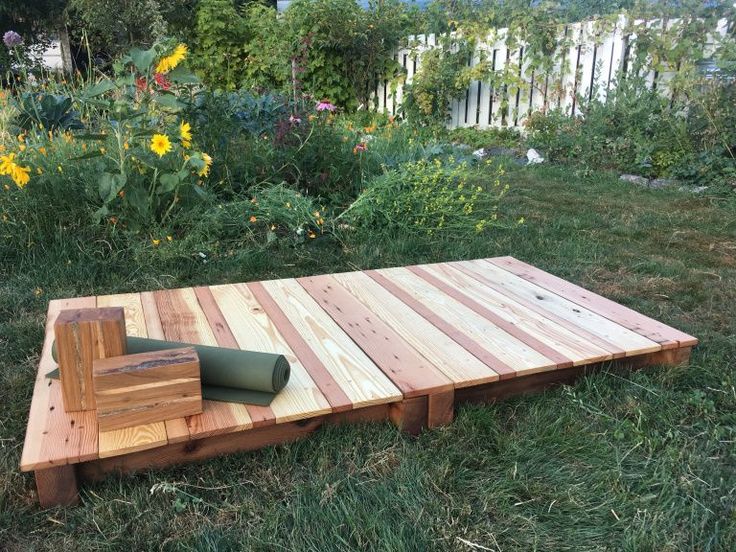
[(644, 462)]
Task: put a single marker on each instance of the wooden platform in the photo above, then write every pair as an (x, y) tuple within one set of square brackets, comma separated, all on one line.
[(401, 343)]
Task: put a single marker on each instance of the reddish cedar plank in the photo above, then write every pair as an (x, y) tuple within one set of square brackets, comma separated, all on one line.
[(259, 415), (177, 430), (510, 328), (339, 401), (406, 368), (614, 349), (643, 325), (55, 437), (503, 370)]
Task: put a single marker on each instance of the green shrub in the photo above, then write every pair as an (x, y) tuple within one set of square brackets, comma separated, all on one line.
[(426, 198)]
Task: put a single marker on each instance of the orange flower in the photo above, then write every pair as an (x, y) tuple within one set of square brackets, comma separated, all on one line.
[(253, 218)]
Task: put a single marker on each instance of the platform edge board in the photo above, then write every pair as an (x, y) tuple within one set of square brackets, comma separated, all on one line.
[(663, 334), (50, 429), (413, 374), (203, 448)]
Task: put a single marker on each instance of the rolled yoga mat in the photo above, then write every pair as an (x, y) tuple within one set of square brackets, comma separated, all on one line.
[(229, 375)]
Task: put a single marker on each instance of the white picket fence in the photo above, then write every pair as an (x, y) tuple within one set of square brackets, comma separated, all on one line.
[(592, 63)]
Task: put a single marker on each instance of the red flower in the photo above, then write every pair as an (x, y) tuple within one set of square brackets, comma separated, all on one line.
[(162, 81), (141, 84)]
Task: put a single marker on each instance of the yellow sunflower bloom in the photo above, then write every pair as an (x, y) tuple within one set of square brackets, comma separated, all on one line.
[(167, 63), (185, 133), (207, 164), (6, 163), (160, 144)]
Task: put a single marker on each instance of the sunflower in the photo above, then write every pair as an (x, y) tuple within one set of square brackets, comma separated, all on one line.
[(167, 63), (160, 144), (185, 133), (205, 171)]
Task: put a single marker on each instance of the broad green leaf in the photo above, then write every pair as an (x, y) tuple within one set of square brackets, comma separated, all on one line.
[(110, 184), (167, 183), (142, 59)]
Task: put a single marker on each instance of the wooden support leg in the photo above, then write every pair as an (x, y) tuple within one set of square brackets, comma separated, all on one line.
[(441, 409), (57, 486), (410, 415)]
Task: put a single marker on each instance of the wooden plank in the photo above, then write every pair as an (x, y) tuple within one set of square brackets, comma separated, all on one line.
[(259, 415), (121, 441), (252, 329), (55, 437), (176, 430), (666, 336), (553, 341), (410, 415), (183, 320), (601, 331), (360, 379), (336, 397), (413, 374), (509, 357), (458, 364)]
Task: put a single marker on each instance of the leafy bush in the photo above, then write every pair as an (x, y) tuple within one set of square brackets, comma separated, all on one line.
[(425, 198)]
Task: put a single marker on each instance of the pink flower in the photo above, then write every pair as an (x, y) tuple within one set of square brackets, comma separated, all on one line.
[(294, 120), (361, 146), (325, 106)]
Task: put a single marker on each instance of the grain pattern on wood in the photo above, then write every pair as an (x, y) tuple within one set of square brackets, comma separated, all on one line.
[(513, 352), (466, 340), (643, 325), (440, 408), (413, 374), (410, 415), (253, 330), (539, 332), (184, 321), (259, 415), (83, 335), (131, 439), (359, 378), (176, 430), (147, 388), (336, 397), (57, 486), (452, 359), (604, 333), (140, 322), (55, 437)]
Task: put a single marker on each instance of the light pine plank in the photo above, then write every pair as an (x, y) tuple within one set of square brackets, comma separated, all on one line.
[(177, 430), (183, 320), (412, 373), (140, 437), (259, 415), (454, 361), (54, 437), (666, 336), (513, 352), (253, 330), (599, 330), (132, 439), (516, 317), (360, 379)]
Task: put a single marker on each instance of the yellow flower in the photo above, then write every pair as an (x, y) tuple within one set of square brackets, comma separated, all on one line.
[(169, 238), (185, 133), (160, 144), (6, 163), (20, 175), (126, 146), (155, 242), (42, 150), (167, 63), (207, 164)]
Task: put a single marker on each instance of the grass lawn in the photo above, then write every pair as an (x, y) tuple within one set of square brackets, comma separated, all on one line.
[(646, 462)]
